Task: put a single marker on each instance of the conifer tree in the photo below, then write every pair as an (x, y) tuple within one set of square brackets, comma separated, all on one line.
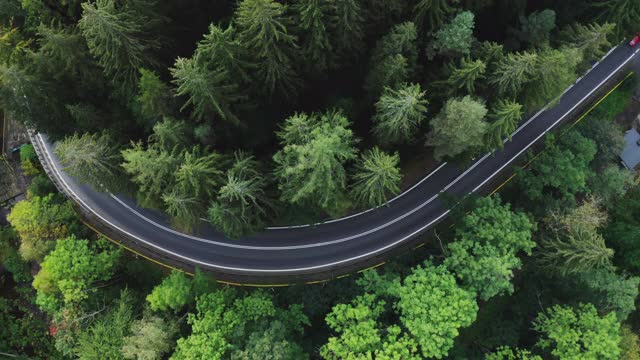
[(513, 71), (314, 20), (377, 176), (399, 114), (199, 174), (222, 49), (466, 75), (208, 90), (394, 59), (116, 37), (154, 97), (242, 205), (431, 14), (264, 30), (92, 158), (312, 172), (184, 208), (592, 39), (505, 116), (348, 25)]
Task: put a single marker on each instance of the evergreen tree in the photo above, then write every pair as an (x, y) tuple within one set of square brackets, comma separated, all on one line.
[(242, 205), (116, 37), (169, 134), (92, 158), (221, 49), (154, 96), (312, 172), (199, 173), (623, 13), (456, 37), (399, 114), (513, 71), (314, 21), (183, 208), (153, 170), (591, 39), (348, 24), (536, 28), (555, 70), (505, 116), (459, 127), (377, 176), (431, 14), (263, 29), (208, 90), (394, 58), (465, 76)]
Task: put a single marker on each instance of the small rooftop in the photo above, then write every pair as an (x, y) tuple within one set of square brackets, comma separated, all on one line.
[(631, 154)]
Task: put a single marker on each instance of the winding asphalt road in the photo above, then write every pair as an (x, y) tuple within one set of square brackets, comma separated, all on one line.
[(332, 248)]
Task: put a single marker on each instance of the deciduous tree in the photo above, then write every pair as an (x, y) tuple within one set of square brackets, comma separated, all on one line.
[(459, 127), (456, 36), (580, 333)]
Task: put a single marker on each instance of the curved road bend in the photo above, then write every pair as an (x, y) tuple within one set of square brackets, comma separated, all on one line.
[(329, 249)]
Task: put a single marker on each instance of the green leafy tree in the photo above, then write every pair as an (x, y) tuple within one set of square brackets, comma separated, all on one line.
[(433, 308), (485, 251), (39, 222), (223, 320), (465, 76), (271, 343), (151, 338), (68, 273), (629, 344), (106, 336), (513, 71), (174, 293), (611, 292), (591, 39), (263, 28), (209, 91), (314, 20), (456, 37), (92, 158), (609, 138), (505, 116), (536, 28), (116, 37), (611, 184), (459, 127), (623, 232), (394, 59), (563, 166), (312, 171), (399, 114), (377, 176), (580, 333), (242, 204), (506, 353), (431, 14)]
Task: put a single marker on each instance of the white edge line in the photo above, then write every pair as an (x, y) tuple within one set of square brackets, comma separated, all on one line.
[(344, 260)]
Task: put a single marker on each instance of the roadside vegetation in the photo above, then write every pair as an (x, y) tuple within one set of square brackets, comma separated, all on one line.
[(257, 112)]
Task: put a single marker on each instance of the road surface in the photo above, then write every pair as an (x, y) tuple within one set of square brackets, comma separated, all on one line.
[(322, 251)]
